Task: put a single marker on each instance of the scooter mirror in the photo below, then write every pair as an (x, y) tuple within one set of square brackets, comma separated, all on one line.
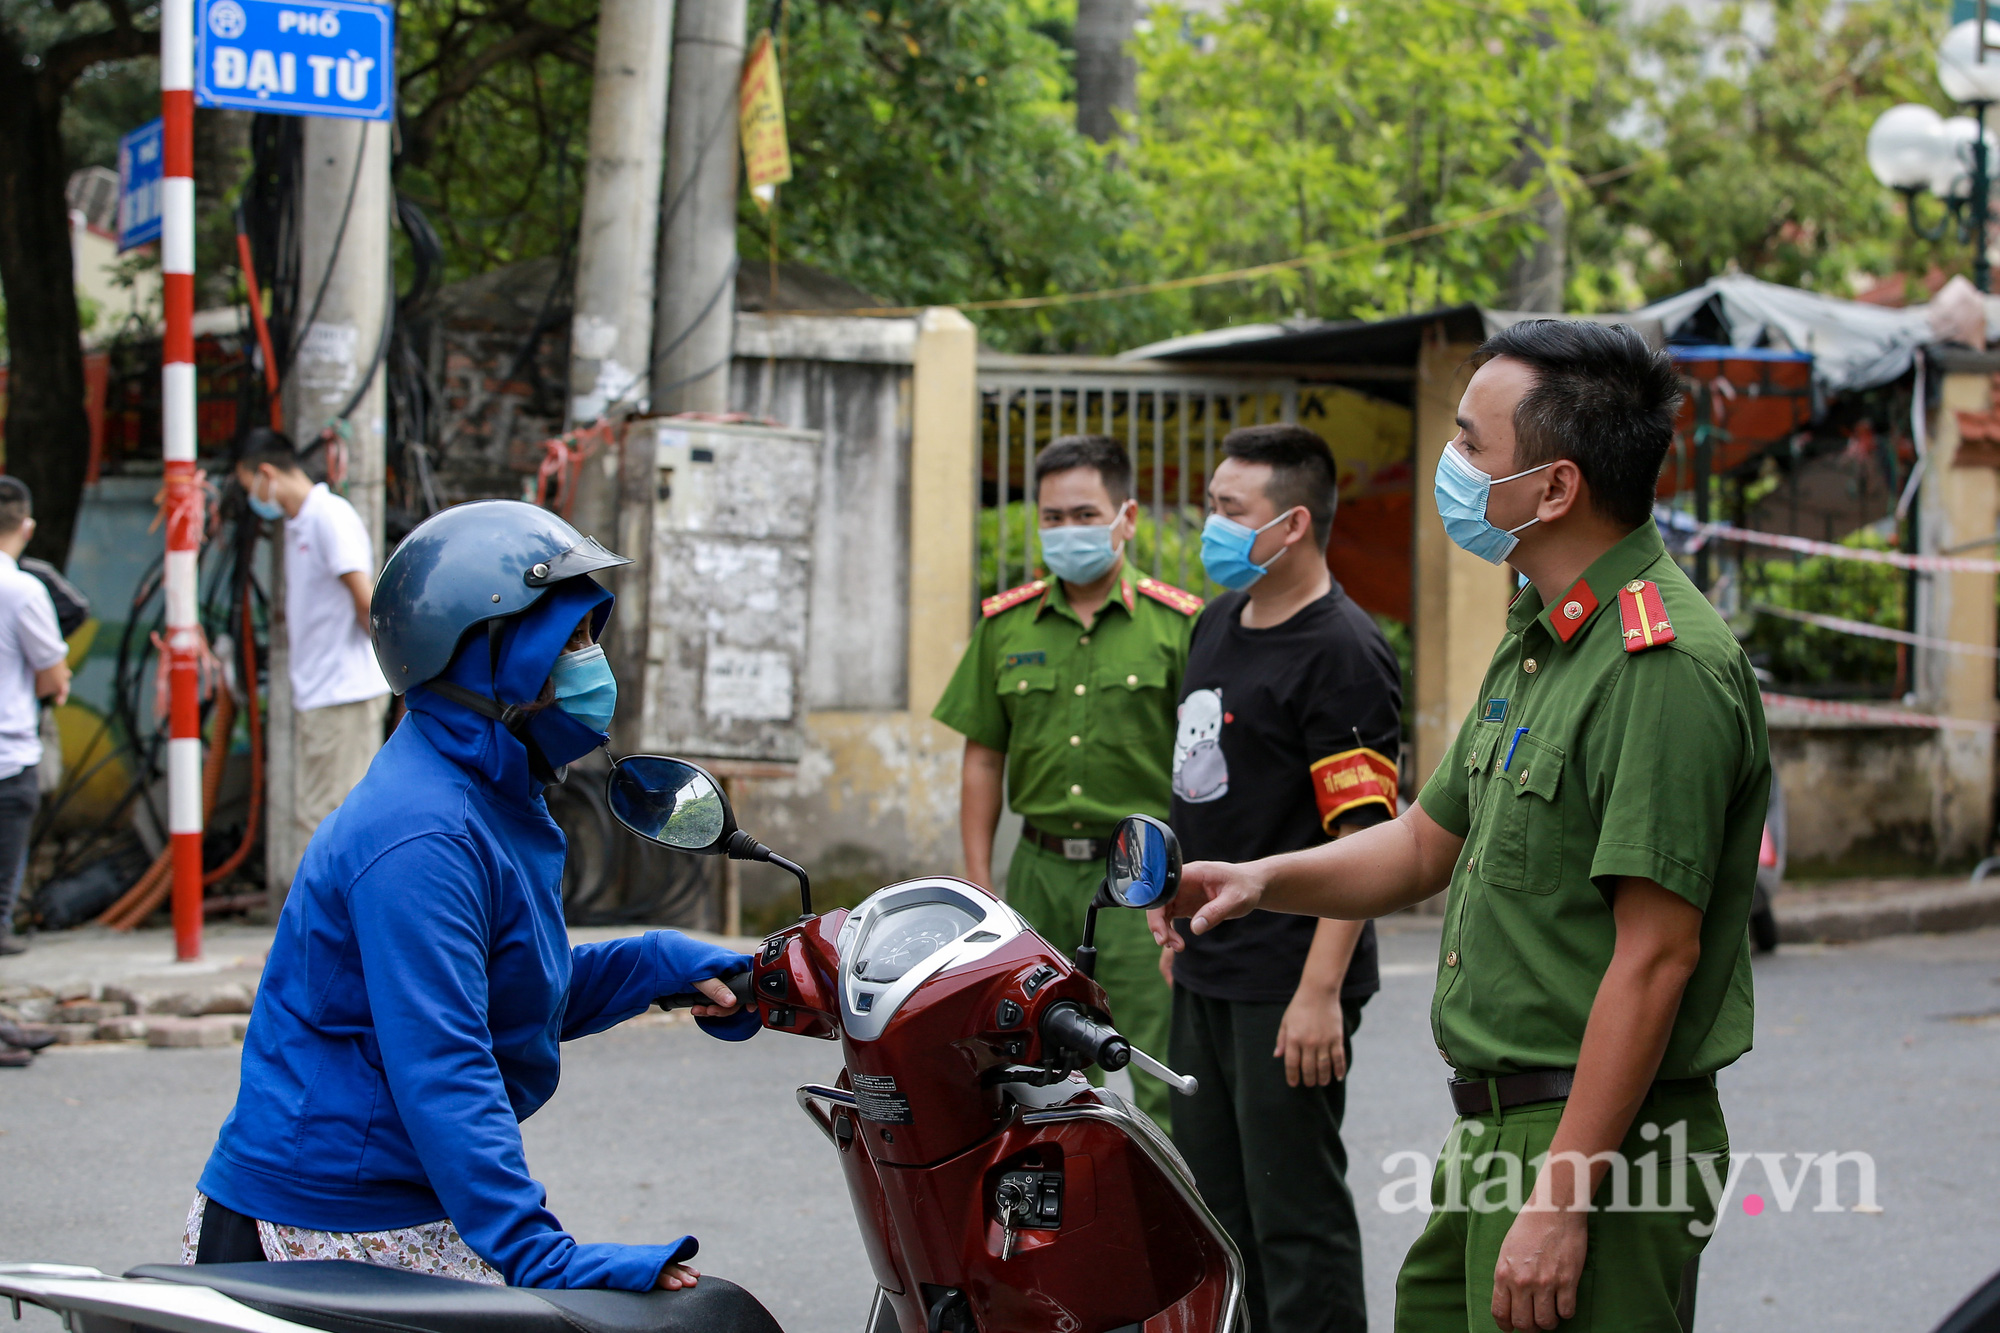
[(671, 802), (1144, 867)]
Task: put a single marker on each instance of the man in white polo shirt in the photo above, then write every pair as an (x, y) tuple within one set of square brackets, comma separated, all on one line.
[(337, 688), (34, 665)]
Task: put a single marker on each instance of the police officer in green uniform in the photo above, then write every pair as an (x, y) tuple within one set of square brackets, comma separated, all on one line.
[(1597, 822), (1070, 685)]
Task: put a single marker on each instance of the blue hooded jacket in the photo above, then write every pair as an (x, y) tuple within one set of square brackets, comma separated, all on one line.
[(421, 978)]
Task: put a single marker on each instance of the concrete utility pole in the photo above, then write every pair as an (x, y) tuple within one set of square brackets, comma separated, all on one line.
[(343, 248), (694, 324), (611, 333), (1107, 74), (694, 320)]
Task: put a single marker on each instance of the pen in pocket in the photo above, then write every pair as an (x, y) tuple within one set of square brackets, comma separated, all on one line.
[(1519, 732)]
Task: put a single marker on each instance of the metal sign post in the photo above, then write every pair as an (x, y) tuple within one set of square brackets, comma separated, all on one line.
[(186, 504), (334, 58)]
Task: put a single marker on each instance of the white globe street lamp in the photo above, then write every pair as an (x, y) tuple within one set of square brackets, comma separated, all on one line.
[(1913, 150), (1907, 148), (1967, 73)]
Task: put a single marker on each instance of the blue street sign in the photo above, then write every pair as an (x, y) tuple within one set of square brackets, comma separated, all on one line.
[(141, 163), (334, 58)]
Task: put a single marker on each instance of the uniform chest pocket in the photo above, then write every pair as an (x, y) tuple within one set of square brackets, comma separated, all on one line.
[(1128, 677), (1523, 844), (1129, 701), (1034, 680), (1479, 754)]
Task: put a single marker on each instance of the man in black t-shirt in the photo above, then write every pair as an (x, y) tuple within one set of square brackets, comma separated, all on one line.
[(1290, 719)]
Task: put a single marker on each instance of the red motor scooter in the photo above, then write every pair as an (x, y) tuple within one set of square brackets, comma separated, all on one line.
[(996, 1190)]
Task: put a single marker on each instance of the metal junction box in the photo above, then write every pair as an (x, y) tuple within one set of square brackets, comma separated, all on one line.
[(731, 576)]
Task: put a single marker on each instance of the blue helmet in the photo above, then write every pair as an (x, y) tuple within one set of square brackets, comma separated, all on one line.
[(464, 566)]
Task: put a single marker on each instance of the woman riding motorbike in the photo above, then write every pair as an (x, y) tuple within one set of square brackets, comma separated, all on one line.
[(421, 978)]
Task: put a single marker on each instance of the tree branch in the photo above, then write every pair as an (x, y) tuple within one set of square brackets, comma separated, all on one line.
[(66, 61), (533, 38)]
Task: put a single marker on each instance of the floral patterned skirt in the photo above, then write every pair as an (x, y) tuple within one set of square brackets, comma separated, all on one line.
[(435, 1248)]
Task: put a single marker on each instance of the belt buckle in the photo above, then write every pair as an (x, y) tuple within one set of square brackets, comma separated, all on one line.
[(1078, 849)]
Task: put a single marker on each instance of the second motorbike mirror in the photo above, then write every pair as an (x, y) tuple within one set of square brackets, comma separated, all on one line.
[(1145, 863), (671, 802)]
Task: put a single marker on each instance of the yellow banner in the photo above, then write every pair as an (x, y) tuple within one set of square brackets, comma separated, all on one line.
[(767, 159)]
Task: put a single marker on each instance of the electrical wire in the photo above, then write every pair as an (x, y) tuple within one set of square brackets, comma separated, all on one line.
[(655, 392), (300, 330), (414, 400)]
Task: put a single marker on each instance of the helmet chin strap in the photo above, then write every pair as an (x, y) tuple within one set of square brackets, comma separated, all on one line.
[(511, 716)]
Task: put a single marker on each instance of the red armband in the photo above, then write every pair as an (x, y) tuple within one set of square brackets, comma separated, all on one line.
[(1351, 778)]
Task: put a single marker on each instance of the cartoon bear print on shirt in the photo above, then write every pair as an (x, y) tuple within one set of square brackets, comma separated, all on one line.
[(1200, 772)]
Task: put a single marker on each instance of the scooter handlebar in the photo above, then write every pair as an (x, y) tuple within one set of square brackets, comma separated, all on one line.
[(1066, 1026), (738, 983)]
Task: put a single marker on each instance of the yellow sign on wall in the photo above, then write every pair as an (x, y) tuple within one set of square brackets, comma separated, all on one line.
[(767, 159)]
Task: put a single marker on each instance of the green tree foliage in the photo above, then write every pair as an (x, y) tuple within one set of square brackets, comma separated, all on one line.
[(1283, 127), (495, 123), (1751, 122), (935, 161)]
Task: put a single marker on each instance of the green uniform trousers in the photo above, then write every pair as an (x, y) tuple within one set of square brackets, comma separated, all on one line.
[(1640, 1243), (1052, 892), (1270, 1163)]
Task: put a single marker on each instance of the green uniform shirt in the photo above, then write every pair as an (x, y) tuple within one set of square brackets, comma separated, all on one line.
[(1595, 755), (1085, 717)]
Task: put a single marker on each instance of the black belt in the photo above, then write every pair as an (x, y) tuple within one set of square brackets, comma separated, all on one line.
[(1070, 849), (1474, 1096)]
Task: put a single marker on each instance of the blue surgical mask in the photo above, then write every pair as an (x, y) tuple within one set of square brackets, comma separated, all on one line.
[(1225, 550), (1078, 554), (1462, 491), (268, 510), (585, 688)]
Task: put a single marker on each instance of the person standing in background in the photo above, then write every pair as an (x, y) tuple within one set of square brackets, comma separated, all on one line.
[(1290, 724), (34, 665), (1068, 686), (338, 690)]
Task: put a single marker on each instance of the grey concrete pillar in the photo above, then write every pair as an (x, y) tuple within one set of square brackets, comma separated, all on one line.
[(694, 322), (344, 265)]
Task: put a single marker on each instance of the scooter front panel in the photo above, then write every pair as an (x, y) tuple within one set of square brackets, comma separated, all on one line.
[(927, 1088), (1132, 1244)]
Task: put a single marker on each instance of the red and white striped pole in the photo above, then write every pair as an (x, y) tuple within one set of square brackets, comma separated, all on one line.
[(186, 504)]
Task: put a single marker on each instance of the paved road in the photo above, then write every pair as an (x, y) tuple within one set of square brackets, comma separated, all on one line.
[(1890, 1048)]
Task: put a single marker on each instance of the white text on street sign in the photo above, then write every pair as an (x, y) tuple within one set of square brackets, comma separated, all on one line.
[(331, 59)]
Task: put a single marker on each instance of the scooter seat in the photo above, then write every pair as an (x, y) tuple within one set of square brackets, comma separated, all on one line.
[(340, 1296)]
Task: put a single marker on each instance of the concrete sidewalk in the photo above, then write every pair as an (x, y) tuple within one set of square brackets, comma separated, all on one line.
[(1845, 911), (94, 985)]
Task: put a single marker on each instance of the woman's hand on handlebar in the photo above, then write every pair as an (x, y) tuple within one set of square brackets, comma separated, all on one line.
[(675, 1276), (725, 1006)]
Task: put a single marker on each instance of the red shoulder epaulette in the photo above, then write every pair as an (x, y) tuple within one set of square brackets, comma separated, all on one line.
[(1013, 597), (1644, 616), (1180, 599)]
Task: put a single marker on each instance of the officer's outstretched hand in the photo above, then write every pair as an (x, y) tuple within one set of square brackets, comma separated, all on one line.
[(1211, 892)]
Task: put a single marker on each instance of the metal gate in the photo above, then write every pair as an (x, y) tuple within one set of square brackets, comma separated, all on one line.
[(1171, 422)]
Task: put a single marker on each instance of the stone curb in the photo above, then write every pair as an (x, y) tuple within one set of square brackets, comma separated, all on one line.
[(1804, 917)]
